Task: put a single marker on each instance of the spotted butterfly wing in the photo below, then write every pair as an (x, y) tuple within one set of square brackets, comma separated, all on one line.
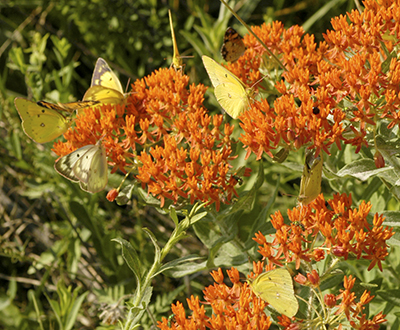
[(233, 46), (41, 123), (88, 165), (276, 288)]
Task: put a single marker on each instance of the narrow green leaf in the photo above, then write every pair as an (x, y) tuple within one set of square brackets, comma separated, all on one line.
[(157, 255), (73, 314), (131, 258), (184, 261)]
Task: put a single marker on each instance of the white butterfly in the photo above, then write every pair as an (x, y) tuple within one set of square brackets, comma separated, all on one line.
[(86, 165)]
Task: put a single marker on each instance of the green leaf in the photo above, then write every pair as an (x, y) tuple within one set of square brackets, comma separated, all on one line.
[(391, 296), (17, 60), (125, 195), (261, 223), (174, 217), (132, 259), (136, 312), (186, 269), (157, 254), (73, 314), (184, 261), (362, 169)]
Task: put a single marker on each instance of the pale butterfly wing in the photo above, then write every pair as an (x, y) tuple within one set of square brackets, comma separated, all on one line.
[(105, 86), (41, 124), (231, 93), (65, 165), (276, 288), (91, 169), (88, 165)]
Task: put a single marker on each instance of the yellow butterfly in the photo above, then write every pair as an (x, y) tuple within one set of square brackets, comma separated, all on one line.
[(310, 185), (233, 46), (276, 288), (43, 121), (231, 93), (41, 124), (86, 165), (177, 63), (105, 86)]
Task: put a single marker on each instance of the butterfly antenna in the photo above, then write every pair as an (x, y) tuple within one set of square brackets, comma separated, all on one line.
[(127, 85), (255, 36)]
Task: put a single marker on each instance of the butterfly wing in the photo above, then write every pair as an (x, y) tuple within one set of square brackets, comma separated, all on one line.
[(310, 185), (65, 165), (41, 124), (230, 91), (232, 98), (91, 169), (276, 288), (102, 94), (233, 46), (104, 76), (105, 86)]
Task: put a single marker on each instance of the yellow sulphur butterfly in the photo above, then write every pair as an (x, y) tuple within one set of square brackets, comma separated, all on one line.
[(276, 288), (231, 93), (87, 165), (310, 185), (41, 123), (105, 86), (233, 46), (176, 58)]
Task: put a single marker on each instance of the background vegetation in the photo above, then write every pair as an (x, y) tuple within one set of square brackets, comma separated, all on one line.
[(58, 263)]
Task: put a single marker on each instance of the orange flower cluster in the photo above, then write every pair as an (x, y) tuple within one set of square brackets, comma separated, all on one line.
[(345, 231), (233, 308), (164, 137), (350, 80)]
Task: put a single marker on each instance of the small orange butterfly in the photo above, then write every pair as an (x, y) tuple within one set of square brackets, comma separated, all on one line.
[(233, 46)]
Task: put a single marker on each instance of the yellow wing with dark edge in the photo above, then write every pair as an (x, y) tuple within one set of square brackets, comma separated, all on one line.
[(41, 123)]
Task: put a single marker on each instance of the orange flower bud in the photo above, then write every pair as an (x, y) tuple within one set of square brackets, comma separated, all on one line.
[(330, 300), (301, 279), (379, 160), (112, 194), (313, 277), (318, 254)]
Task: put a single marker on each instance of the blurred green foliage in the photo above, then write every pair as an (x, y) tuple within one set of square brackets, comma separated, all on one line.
[(56, 239)]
